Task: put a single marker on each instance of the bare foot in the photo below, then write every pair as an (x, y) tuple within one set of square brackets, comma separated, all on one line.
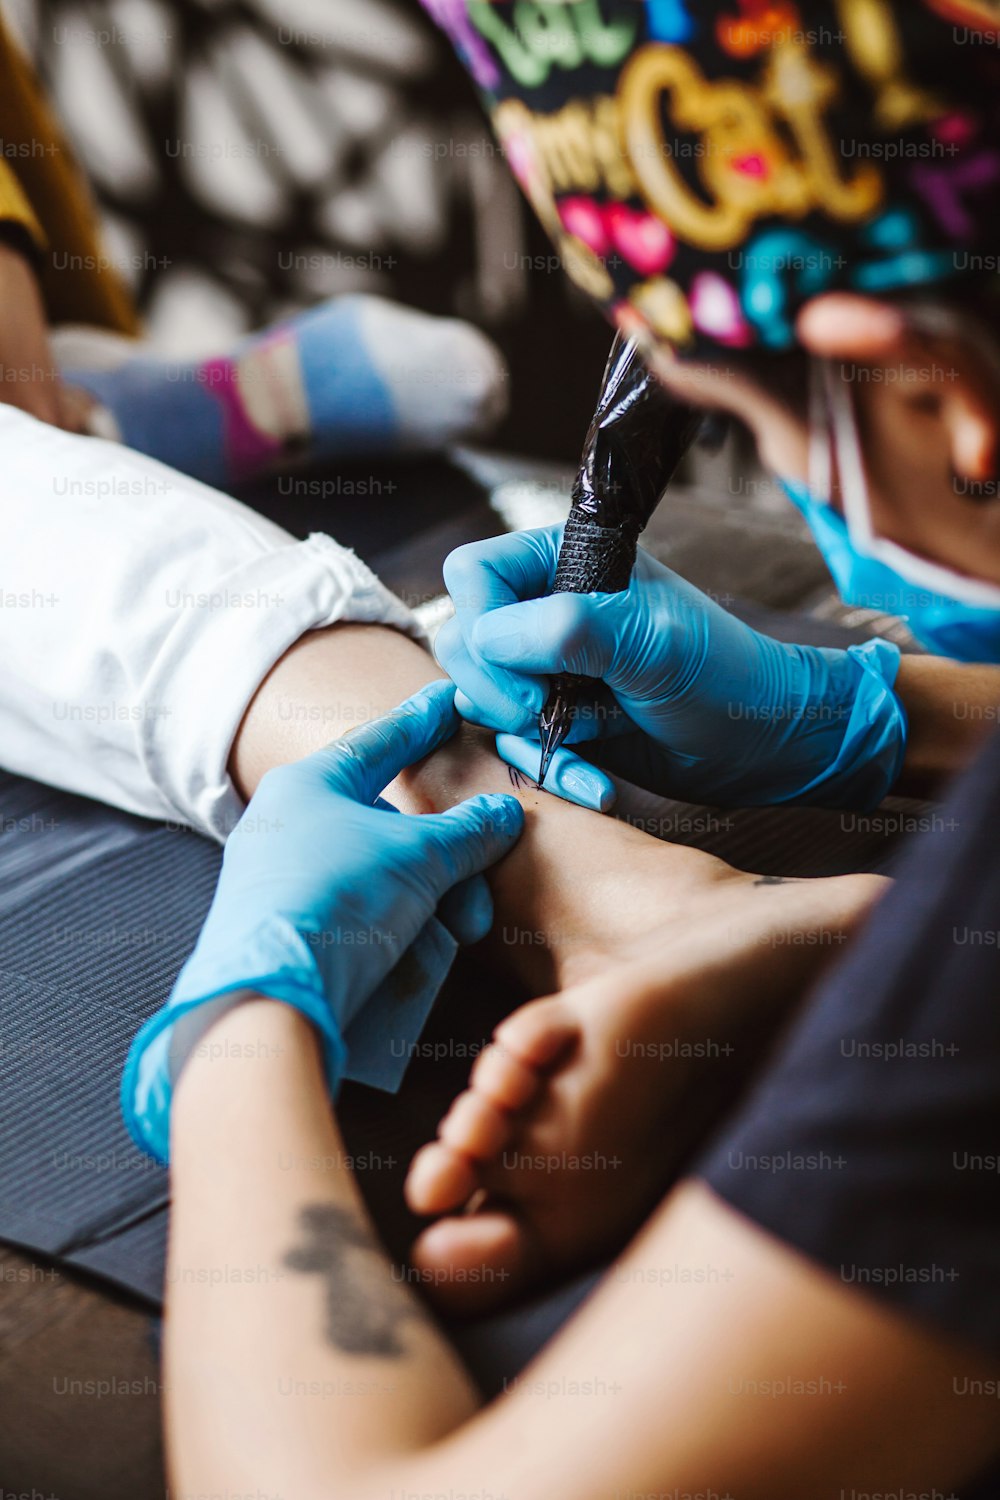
[(589, 1101)]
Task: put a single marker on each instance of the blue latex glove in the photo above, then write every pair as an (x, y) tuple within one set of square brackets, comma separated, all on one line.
[(322, 892), (691, 702)]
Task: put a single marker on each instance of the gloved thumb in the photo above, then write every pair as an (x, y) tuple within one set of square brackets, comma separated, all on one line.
[(467, 910), (468, 838)]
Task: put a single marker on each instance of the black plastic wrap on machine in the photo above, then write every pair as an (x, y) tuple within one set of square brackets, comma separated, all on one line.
[(638, 436)]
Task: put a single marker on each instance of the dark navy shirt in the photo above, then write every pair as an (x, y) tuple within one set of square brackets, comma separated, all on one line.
[(872, 1144)]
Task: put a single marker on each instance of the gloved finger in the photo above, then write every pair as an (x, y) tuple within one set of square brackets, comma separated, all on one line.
[(467, 910), (568, 776), (363, 762), (467, 839), (598, 715), (563, 633), (486, 575), (636, 758), (487, 696), (501, 570)]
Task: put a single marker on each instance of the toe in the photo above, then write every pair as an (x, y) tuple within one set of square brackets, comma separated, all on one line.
[(475, 1263), (475, 1126), (539, 1034), (439, 1180), (504, 1079)]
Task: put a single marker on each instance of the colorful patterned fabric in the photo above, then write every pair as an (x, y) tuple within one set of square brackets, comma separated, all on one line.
[(252, 157), (707, 166)]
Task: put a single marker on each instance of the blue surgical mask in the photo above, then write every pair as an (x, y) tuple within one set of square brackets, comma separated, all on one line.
[(946, 626)]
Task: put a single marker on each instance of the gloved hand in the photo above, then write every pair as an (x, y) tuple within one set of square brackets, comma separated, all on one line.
[(692, 703), (322, 893)]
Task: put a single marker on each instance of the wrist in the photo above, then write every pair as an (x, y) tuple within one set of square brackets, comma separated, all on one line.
[(951, 709), (851, 725), (276, 963), (243, 1056)]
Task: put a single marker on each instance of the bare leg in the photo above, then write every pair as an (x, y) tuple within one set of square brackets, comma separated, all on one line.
[(579, 889)]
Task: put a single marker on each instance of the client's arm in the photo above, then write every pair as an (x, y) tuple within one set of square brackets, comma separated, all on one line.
[(298, 1362)]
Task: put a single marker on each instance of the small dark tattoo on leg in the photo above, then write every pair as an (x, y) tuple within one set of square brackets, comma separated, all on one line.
[(520, 782), (777, 880), (365, 1311)]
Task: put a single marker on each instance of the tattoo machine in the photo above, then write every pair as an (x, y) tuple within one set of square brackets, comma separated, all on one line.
[(637, 438)]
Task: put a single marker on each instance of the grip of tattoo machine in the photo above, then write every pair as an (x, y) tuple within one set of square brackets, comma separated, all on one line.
[(637, 438)]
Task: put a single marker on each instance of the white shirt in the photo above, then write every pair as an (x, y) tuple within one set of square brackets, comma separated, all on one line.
[(139, 613)]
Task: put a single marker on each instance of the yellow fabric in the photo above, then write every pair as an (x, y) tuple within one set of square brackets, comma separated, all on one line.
[(15, 208), (43, 190)]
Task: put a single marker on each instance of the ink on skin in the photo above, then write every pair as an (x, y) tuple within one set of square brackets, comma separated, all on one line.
[(365, 1310), (520, 782), (777, 880)]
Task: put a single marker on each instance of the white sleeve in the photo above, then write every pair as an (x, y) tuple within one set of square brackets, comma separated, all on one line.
[(139, 613)]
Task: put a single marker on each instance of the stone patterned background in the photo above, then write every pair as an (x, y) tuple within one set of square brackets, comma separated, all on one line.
[(251, 156)]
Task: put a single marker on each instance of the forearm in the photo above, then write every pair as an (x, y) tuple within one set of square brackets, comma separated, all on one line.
[(296, 1362), (950, 709)]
